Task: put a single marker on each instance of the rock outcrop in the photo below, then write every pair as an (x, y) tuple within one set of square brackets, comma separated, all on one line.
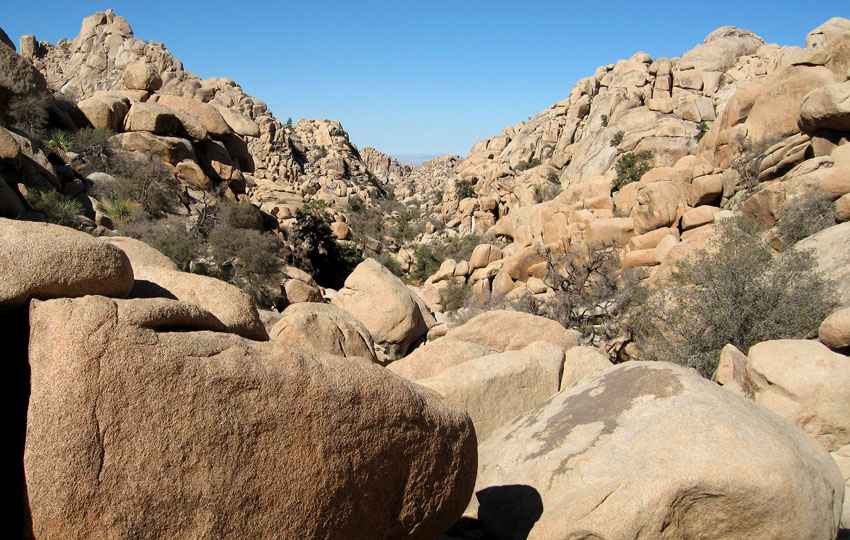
[(325, 328), (558, 471)]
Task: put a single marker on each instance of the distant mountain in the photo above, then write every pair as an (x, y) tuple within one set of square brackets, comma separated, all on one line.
[(416, 159)]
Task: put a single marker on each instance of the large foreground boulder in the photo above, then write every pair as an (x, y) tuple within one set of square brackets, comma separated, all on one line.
[(804, 382), (40, 260), (502, 330), (394, 315), (651, 450), (144, 432)]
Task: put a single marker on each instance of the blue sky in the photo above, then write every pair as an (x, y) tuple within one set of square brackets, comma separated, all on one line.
[(419, 77)]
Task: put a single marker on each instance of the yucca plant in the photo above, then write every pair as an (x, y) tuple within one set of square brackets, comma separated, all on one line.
[(58, 140), (121, 209)]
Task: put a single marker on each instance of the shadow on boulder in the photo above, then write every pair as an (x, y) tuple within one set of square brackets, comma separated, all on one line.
[(509, 511)]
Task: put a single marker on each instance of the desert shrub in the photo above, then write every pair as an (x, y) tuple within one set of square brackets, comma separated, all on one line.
[(248, 259), (630, 167), (240, 215), (329, 261), (735, 292), (530, 164), (617, 139), (438, 196), (553, 178), (29, 112), (464, 189), (58, 140), (805, 216), (321, 151), (356, 204), (426, 262), (182, 247), (455, 295), (702, 129), (546, 192), (56, 207), (390, 263), (604, 118), (147, 180), (122, 210), (92, 148), (748, 162)]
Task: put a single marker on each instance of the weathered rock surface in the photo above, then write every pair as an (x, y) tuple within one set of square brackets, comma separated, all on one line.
[(831, 248), (158, 434), (140, 253), (392, 312), (501, 331), (435, 357), (325, 328), (806, 383), (842, 458), (582, 362), (559, 470), (40, 260), (496, 388), (834, 331), (229, 304)]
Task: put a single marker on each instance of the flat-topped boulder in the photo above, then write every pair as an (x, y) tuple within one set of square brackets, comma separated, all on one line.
[(502, 330)]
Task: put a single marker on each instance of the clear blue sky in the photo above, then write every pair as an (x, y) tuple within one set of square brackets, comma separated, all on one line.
[(411, 76)]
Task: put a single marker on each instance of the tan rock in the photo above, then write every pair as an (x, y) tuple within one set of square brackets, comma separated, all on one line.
[(298, 291), (10, 150), (140, 253), (664, 246), (156, 118), (706, 189), (609, 231), (484, 254), (340, 230), (834, 331), (657, 204), (496, 388), (325, 328), (229, 304), (831, 249), (699, 216), (806, 383), (501, 331), (842, 459), (827, 107), (435, 357), (582, 362), (732, 365), (206, 114), (134, 431), (105, 112), (173, 150), (40, 260), (394, 315), (842, 208), (552, 472), (651, 239), (240, 124), (141, 76), (502, 284)]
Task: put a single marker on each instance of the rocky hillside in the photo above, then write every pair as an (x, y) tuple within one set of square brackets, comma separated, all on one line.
[(656, 267)]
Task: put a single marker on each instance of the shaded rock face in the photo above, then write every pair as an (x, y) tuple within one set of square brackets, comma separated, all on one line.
[(146, 432), (652, 450)]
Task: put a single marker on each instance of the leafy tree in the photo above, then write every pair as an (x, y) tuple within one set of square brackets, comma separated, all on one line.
[(630, 167), (736, 292), (330, 261)]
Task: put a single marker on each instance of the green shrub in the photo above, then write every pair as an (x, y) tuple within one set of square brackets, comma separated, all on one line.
[(617, 139), (250, 260), (356, 204), (735, 292), (58, 140), (182, 247), (464, 189), (438, 196), (329, 261), (630, 167), (805, 216), (702, 129), (530, 164), (122, 210), (240, 215), (147, 180), (553, 178), (56, 207), (92, 148), (455, 295), (390, 263), (426, 262), (604, 118)]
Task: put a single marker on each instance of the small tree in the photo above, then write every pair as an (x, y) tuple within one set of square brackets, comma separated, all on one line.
[(464, 189), (630, 167), (735, 292), (617, 139)]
